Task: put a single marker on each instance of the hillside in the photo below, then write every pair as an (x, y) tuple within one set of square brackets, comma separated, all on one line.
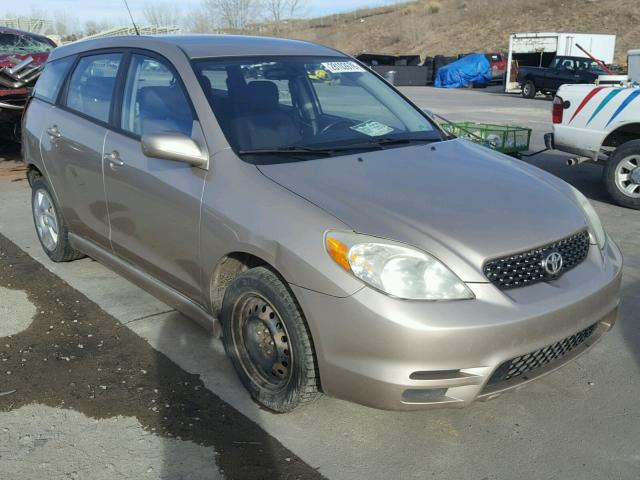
[(454, 26)]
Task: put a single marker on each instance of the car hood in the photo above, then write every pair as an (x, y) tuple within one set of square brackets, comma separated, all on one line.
[(461, 202)]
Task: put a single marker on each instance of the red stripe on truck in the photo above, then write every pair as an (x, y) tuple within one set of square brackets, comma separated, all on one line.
[(586, 99)]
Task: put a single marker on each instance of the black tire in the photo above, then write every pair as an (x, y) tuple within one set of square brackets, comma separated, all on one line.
[(62, 251), (529, 89), (293, 350), (625, 156)]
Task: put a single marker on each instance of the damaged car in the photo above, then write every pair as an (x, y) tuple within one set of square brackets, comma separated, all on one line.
[(22, 56)]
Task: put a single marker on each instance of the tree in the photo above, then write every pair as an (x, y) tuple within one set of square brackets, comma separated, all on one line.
[(200, 20), (234, 14), (162, 14), (278, 10)]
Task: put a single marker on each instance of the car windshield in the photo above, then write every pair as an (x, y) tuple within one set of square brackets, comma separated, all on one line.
[(11, 43), (332, 104)]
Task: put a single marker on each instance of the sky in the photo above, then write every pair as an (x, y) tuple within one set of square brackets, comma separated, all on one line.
[(85, 10)]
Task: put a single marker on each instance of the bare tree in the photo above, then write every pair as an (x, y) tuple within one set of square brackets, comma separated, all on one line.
[(278, 10), (235, 14), (92, 27), (63, 24), (162, 13), (200, 20)]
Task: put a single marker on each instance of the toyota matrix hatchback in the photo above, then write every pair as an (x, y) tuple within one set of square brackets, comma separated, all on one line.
[(336, 238)]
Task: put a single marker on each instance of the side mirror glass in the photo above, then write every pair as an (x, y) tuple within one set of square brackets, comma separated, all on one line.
[(173, 146)]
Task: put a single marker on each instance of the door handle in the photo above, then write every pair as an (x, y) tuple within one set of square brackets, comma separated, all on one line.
[(114, 159), (53, 132)]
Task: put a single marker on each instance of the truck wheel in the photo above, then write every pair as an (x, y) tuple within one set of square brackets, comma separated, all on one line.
[(51, 228), (529, 89), (622, 175), (267, 339)]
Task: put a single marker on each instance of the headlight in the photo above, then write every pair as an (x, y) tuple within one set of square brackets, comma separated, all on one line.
[(395, 269), (596, 231)]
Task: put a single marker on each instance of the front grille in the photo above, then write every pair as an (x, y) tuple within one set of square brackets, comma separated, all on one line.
[(526, 268), (530, 362)]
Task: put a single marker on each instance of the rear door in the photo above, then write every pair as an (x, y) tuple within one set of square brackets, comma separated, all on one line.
[(154, 204), (73, 141)]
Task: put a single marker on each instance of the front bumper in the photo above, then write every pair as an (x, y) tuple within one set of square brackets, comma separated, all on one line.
[(407, 355)]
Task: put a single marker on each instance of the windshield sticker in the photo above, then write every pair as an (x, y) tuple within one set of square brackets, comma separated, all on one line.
[(372, 128), (342, 67)]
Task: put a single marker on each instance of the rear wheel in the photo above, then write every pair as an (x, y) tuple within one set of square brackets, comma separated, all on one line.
[(622, 175), (51, 228), (529, 89), (267, 340)]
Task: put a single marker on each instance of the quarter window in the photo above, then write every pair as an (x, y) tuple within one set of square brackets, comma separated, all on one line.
[(48, 85), (92, 84), (154, 101)]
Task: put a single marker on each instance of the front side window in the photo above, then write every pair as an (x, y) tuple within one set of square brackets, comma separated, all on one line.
[(52, 77), (306, 102), (92, 85), (154, 101)]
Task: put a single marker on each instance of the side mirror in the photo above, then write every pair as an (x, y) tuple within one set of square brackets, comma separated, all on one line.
[(173, 146), (428, 113)]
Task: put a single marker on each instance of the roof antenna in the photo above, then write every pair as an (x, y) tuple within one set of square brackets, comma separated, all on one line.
[(135, 27)]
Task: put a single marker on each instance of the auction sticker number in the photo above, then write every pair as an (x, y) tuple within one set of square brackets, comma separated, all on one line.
[(342, 67)]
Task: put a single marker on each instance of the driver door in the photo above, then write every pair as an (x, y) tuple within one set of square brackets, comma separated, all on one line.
[(154, 204)]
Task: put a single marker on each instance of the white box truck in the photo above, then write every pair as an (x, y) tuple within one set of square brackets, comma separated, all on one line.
[(538, 49)]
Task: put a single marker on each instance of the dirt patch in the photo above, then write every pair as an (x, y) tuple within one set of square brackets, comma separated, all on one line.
[(451, 27), (76, 356)]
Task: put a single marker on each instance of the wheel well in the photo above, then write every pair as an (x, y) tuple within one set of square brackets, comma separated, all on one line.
[(622, 135), (227, 269), (32, 173)]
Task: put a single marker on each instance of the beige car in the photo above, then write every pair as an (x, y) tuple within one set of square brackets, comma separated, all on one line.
[(335, 237)]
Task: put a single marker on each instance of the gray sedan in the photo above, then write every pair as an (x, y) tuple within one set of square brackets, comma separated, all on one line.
[(290, 200)]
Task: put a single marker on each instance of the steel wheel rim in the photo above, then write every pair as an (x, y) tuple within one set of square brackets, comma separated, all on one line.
[(261, 342), (627, 176), (46, 220), (527, 89)]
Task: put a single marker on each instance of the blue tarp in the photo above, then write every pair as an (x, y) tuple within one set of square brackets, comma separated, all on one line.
[(473, 68)]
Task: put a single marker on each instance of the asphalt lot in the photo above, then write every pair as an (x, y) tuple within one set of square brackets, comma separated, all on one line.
[(582, 422)]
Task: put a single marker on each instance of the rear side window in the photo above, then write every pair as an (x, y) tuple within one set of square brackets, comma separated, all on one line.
[(52, 77), (92, 84)]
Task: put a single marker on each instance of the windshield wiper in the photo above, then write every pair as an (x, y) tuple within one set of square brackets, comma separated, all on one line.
[(400, 141), (328, 151), (382, 142), (292, 150)]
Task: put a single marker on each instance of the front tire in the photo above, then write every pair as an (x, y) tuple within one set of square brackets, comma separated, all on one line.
[(267, 339), (622, 175), (529, 89), (51, 228)]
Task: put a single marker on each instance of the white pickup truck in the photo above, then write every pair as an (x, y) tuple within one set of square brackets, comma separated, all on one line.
[(601, 124)]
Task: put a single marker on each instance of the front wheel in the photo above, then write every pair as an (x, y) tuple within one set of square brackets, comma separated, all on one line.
[(622, 175), (529, 89), (268, 342)]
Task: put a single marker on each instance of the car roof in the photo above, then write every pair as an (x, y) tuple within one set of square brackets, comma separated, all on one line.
[(203, 46)]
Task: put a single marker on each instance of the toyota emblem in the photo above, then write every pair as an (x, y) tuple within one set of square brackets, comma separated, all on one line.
[(552, 263)]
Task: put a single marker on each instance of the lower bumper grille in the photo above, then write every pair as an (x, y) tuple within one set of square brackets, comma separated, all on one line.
[(530, 362)]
